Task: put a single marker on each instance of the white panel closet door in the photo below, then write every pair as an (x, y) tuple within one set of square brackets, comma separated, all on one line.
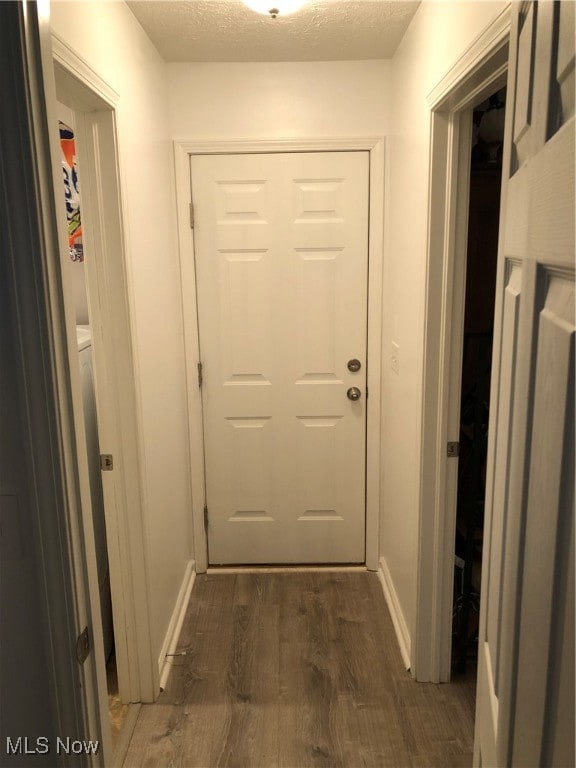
[(281, 249), (525, 700)]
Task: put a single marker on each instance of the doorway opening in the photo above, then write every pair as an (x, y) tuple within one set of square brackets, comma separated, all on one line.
[(481, 259), (72, 190), (481, 72), (114, 547)]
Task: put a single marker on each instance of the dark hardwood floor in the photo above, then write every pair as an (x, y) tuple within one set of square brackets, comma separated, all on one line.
[(298, 670)]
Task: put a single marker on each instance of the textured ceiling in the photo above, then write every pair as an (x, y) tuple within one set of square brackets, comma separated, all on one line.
[(226, 30)]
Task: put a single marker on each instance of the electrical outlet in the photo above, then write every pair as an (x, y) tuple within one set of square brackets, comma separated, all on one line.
[(395, 358)]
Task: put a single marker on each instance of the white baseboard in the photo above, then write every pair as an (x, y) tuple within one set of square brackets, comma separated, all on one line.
[(171, 640), (402, 634)]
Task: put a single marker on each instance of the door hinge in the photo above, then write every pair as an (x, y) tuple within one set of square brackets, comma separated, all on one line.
[(205, 517), (191, 215), (452, 450), (200, 376), (83, 646), (106, 462)]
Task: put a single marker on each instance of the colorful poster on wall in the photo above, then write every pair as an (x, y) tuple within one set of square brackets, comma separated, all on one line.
[(72, 192)]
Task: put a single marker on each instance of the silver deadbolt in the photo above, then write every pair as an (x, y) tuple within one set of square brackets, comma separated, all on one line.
[(354, 393), (354, 365)]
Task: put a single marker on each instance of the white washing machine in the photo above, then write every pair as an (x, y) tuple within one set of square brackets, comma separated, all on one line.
[(84, 337)]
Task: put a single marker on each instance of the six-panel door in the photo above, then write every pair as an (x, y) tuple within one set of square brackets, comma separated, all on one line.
[(281, 250), (525, 698)]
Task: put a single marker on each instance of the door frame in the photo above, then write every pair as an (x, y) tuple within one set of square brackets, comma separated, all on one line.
[(480, 71), (375, 145), (94, 103)]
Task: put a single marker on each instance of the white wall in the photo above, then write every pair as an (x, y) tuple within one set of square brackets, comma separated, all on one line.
[(438, 34), (108, 37), (279, 100)]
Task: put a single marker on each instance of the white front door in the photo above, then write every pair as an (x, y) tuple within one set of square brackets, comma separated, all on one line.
[(281, 249), (525, 701)]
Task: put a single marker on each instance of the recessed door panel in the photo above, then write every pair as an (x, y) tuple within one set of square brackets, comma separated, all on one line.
[(250, 469), (316, 314), (493, 588), (246, 316)]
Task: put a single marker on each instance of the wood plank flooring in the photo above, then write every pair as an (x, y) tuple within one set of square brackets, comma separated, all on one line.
[(297, 670)]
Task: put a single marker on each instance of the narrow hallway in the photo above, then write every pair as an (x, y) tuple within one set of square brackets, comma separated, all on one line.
[(294, 670)]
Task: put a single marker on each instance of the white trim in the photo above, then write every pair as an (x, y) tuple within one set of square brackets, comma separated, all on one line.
[(462, 78), (176, 621), (375, 145), (114, 370), (452, 340), (266, 146), (393, 603), (191, 355), (67, 58), (478, 73), (375, 312)]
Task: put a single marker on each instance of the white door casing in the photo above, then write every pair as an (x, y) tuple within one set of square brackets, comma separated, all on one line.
[(480, 71), (281, 265), (94, 102), (525, 700)]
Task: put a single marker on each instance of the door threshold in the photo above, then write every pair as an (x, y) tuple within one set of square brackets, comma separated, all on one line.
[(329, 568)]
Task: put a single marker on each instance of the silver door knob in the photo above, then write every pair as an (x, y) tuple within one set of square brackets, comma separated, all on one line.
[(354, 393), (354, 365)]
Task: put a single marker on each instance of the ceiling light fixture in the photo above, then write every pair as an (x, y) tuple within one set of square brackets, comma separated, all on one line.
[(275, 8)]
